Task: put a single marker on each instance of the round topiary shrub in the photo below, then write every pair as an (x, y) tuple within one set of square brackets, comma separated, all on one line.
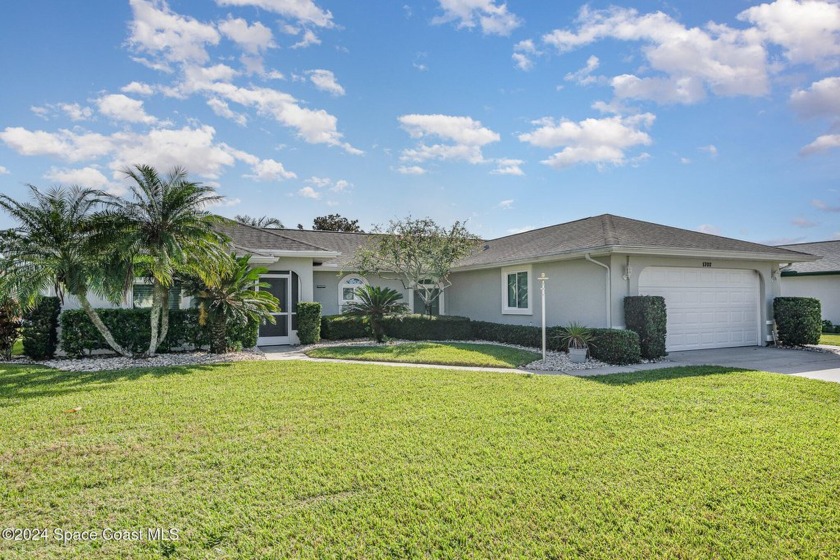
[(798, 320)]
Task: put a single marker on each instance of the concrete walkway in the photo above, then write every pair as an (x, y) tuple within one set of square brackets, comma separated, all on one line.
[(802, 363)]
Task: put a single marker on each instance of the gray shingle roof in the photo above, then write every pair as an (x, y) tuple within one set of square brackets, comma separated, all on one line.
[(609, 232), (346, 243), (828, 250), (265, 239)]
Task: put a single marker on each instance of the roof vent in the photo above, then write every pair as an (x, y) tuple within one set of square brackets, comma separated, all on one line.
[(486, 247)]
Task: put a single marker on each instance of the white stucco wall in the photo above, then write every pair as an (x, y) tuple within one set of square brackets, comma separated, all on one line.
[(326, 289), (825, 288)]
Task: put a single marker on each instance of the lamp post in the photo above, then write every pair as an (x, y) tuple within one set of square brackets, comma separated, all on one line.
[(542, 280)]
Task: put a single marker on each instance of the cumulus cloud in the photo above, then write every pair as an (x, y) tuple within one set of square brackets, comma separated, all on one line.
[(304, 11), (76, 112), (824, 206), (3, 170), (411, 170), (808, 31), (468, 136), (64, 144), (822, 98), (711, 149), (598, 141), (309, 192), (252, 38), (584, 75), (159, 32), (506, 166), (716, 58), (506, 204), (138, 88), (123, 108), (223, 110), (325, 81), (270, 170), (822, 144), (89, 177), (493, 17), (523, 53)]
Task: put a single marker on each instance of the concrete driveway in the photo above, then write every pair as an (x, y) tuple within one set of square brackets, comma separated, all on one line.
[(803, 363)]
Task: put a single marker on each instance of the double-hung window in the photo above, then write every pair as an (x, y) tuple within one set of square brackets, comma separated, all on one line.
[(516, 291)]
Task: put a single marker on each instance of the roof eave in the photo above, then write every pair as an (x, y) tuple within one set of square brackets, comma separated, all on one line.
[(288, 253)]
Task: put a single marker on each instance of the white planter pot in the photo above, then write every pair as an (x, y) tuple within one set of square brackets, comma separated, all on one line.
[(577, 355)]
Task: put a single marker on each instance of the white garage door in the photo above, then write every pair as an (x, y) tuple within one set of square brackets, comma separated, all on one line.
[(707, 308)]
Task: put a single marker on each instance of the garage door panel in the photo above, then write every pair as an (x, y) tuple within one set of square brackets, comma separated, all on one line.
[(706, 308)]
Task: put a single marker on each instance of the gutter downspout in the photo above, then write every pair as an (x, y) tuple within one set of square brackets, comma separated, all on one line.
[(609, 290)]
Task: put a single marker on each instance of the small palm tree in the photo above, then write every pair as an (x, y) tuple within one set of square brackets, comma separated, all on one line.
[(373, 305), (261, 222), (230, 296), (51, 247), (164, 230)]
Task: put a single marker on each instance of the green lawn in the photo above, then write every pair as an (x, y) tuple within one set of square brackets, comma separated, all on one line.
[(830, 339), (17, 348), (302, 459), (449, 354)]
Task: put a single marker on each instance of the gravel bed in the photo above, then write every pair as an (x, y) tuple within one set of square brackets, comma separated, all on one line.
[(101, 363)]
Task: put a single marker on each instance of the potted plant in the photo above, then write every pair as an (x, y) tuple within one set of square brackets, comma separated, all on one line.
[(576, 338)]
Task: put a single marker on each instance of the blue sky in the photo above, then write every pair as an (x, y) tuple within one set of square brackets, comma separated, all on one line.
[(719, 116)]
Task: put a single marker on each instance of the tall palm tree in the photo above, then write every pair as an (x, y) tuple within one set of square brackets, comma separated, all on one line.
[(232, 296), (163, 230), (374, 302), (51, 248), (261, 222)]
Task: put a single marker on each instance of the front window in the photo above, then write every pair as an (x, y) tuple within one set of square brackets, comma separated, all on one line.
[(142, 296), (347, 290), (516, 287)]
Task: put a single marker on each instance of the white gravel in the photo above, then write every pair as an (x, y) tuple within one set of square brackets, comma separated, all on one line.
[(101, 363)]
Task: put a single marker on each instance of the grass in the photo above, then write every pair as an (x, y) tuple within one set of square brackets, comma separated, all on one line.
[(830, 339), (302, 459), (449, 354), (17, 348)]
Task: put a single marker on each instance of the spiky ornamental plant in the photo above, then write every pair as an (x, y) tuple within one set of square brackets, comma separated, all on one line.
[(52, 247), (163, 230), (373, 305), (232, 295)]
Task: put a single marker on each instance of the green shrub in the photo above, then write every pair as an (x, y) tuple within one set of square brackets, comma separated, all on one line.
[(522, 335), (342, 327), (309, 322), (131, 328), (797, 320), (239, 335), (10, 323), (423, 327), (615, 346), (646, 315), (40, 329)]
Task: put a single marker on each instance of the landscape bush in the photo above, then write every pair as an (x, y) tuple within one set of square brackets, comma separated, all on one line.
[(40, 329), (342, 327), (615, 346), (10, 323), (309, 322), (797, 320), (423, 327), (646, 315)]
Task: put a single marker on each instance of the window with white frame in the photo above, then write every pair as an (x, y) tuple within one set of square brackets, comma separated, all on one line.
[(516, 290), (347, 289)]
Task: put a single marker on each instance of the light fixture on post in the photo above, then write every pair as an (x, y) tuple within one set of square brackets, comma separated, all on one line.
[(542, 280)]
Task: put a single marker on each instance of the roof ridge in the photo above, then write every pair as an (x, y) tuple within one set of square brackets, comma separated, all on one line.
[(810, 242), (610, 236), (268, 231)]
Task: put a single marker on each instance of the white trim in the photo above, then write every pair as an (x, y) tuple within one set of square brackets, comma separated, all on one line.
[(341, 285), (285, 315), (506, 271)]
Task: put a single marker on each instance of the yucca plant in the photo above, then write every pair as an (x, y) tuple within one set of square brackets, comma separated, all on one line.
[(373, 305), (575, 335)]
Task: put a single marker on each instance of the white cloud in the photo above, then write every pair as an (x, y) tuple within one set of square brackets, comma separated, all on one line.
[(76, 112), (86, 177), (341, 185), (223, 110), (325, 81), (138, 88), (599, 141), (309, 192), (309, 38), (64, 144), (42, 112), (411, 170), (708, 228), (711, 149), (3, 170), (319, 182), (823, 143), (724, 60), (493, 18), (821, 99), (523, 51), (157, 31), (467, 135), (270, 170), (227, 202), (505, 166), (252, 38), (123, 108), (506, 204), (825, 207), (304, 11), (584, 75), (808, 31)]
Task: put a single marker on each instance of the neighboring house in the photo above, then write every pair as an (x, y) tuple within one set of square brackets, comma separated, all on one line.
[(718, 291), (819, 279)]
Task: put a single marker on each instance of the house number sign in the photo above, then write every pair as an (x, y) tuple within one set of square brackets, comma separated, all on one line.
[(707, 265)]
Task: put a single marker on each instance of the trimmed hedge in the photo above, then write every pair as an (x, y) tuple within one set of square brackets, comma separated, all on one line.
[(10, 323), (40, 329), (616, 346), (797, 320), (239, 335), (309, 322), (523, 335), (646, 315), (342, 327), (423, 327)]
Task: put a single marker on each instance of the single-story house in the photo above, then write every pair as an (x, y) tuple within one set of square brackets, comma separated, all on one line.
[(817, 279), (718, 291)]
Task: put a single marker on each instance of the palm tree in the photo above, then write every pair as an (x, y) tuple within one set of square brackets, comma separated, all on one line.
[(165, 229), (373, 304), (51, 248), (232, 296), (261, 222)]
